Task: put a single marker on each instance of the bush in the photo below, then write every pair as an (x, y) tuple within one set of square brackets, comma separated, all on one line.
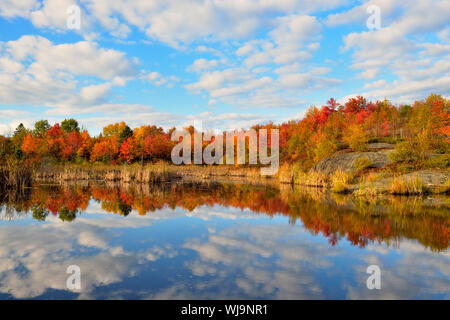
[(404, 152), (324, 149), (362, 163), (439, 161)]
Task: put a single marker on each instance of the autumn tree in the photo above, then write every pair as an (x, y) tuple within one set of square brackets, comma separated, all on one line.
[(33, 147), (355, 105), (128, 150), (157, 146), (72, 142), (86, 145), (356, 137), (55, 141), (107, 149), (144, 137), (119, 131)]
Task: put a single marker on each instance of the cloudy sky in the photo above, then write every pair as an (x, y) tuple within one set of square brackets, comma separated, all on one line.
[(229, 63)]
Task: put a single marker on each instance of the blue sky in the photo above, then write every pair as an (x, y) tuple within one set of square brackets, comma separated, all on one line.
[(227, 63)]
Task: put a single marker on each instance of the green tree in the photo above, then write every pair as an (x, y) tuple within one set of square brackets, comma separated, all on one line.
[(40, 128), (39, 213), (125, 134), (70, 125), (6, 148), (17, 139)]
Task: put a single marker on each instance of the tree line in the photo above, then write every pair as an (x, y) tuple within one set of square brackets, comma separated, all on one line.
[(418, 130)]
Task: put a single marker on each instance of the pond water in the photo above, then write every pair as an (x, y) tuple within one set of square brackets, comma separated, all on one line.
[(220, 241)]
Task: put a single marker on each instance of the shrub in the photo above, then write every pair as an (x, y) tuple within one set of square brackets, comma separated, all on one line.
[(325, 148), (439, 161), (404, 152), (362, 163)]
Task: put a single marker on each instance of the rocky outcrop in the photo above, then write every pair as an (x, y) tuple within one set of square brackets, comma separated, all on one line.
[(345, 161), (380, 146)]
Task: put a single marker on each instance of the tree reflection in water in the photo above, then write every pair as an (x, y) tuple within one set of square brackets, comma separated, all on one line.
[(359, 221)]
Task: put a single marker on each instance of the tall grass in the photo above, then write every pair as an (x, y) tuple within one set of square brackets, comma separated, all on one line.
[(367, 187), (312, 179), (408, 186), (148, 173), (295, 174), (15, 175), (340, 181)]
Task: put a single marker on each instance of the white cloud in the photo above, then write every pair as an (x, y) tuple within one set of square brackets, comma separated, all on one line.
[(358, 14), (96, 93), (53, 14), (435, 49), (158, 80), (216, 79), (398, 50), (307, 80), (35, 71), (14, 8), (167, 21), (253, 82), (248, 53), (202, 64)]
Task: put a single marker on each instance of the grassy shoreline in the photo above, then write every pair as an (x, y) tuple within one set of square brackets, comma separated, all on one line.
[(366, 182), (361, 184), (148, 173)]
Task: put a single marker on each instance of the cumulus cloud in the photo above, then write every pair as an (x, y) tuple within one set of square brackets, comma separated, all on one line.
[(358, 14), (157, 79), (265, 72), (166, 21), (35, 71), (245, 54), (13, 8), (398, 49), (202, 64)]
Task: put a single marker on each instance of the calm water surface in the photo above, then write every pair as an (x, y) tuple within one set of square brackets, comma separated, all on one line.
[(220, 241)]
